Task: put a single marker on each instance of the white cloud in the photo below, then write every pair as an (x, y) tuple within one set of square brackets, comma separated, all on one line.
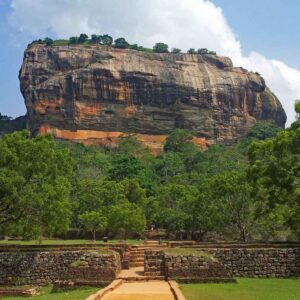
[(183, 24)]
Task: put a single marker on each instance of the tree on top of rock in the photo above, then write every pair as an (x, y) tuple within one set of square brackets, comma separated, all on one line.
[(121, 43), (82, 38), (161, 48)]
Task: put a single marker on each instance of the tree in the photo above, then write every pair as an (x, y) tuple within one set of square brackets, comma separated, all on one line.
[(106, 40), (192, 51), (176, 50), (127, 217), (161, 48), (73, 40), (169, 165), (174, 199), (82, 38), (135, 47), (96, 38), (5, 118), (93, 221), (234, 193), (87, 196), (48, 41), (124, 165), (121, 43), (202, 51), (262, 131), (177, 140), (34, 185), (212, 52), (275, 174)]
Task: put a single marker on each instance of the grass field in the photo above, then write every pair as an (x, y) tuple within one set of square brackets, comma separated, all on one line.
[(78, 294), (67, 242), (245, 289)]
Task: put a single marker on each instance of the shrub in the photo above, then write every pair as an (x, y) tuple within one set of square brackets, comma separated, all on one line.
[(161, 48), (121, 43)]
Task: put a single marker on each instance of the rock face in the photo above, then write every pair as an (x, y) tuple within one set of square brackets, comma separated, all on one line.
[(94, 94)]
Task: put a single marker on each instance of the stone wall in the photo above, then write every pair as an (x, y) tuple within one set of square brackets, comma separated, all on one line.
[(183, 266), (188, 266), (22, 268), (154, 264), (259, 262), (238, 262)]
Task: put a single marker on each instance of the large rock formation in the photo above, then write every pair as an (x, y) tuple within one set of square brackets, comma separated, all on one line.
[(95, 94)]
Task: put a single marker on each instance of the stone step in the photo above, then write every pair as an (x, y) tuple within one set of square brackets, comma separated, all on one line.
[(142, 278), (136, 264), (157, 273), (136, 260), (136, 255)]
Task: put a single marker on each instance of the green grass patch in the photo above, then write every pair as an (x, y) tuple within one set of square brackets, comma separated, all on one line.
[(245, 289), (75, 264), (105, 251), (67, 242), (60, 42), (186, 252), (47, 294)]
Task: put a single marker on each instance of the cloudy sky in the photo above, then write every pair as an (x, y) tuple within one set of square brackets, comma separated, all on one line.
[(260, 35)]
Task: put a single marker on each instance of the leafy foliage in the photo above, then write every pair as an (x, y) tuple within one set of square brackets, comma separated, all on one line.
[(161, 48), (123, 189), (121, 43), (34, 185)]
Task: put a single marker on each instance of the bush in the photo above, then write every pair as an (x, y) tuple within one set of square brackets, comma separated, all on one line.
[(73, 40), (121, 43), (202, 51), (82, 38), (192, 51), (161, 48), (176, 50)]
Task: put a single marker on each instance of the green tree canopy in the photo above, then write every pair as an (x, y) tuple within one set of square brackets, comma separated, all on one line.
[(161, 48), (176, 50), (275, 173), (202, 51), (34, 185), (82, 38), (106, 40), (93, 221), (128, 217), (192, 51), (121, 43)]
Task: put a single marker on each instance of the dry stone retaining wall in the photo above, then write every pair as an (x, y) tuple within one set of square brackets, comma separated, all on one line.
[(239, 262), (193, 267), (26, 268), (259, 262)]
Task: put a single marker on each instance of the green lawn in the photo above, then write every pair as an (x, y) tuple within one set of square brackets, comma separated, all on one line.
[(186, 251), (78, 294), (67, 242), (245, 289)]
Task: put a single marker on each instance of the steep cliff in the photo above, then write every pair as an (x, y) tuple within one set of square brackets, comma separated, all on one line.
[(94, 94)]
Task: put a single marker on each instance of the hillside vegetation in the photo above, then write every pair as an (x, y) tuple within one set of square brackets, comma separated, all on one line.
[(245, 191)]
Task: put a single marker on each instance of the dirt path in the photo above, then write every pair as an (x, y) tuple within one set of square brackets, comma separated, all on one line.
[(151, 290)]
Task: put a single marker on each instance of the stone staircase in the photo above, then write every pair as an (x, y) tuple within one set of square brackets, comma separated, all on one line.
[(136, 264), (137, 253)]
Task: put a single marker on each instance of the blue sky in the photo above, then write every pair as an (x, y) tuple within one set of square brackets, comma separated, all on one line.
[(271, 27), (262, 35)]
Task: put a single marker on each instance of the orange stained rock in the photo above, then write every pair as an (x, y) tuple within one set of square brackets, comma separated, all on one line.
[(93, 137), (84, 109), (44, 105), (130, 109)]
